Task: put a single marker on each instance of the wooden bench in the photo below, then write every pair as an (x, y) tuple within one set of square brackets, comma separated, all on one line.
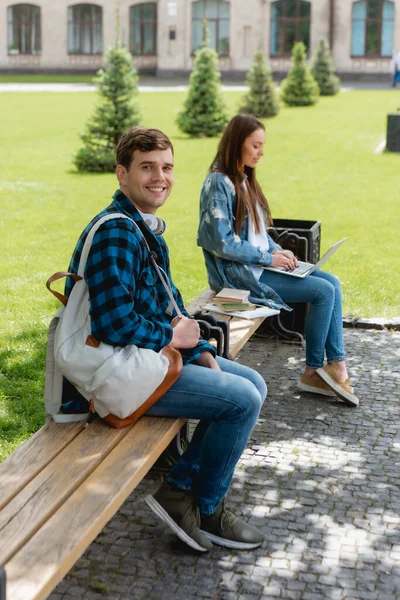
[(61, 487)]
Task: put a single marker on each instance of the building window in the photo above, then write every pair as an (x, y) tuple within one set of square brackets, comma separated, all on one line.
[(217, 13), (290, 23), (372, 28), (24, 36), (85, 29), (143, 38)]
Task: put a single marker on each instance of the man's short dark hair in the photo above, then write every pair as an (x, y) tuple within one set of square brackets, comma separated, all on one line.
[(142, 139)]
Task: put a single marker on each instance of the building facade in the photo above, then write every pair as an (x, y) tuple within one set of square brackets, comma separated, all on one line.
[(162, 35)]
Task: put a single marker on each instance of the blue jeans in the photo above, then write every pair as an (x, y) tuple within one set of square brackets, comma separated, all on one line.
[(324, 326), (227, 403)]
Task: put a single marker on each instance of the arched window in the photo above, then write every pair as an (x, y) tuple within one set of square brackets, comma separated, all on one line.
[(372, 28), (217, 13), (143, 36), (85, 29), (290, 23), (24, 36)]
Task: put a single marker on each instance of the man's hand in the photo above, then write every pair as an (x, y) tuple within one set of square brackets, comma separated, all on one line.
[(186, 333), (284, 259), (206, 359)]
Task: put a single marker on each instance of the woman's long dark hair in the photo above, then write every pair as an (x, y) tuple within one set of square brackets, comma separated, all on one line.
[(227, 161)]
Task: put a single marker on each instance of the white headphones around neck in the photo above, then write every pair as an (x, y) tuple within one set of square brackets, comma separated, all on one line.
[(154, 223)]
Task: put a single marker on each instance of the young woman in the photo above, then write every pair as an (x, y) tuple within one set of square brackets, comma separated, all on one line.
[(234, 216)]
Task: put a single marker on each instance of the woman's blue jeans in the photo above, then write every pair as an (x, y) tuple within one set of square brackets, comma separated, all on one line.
[(324, 327), (228, 403)]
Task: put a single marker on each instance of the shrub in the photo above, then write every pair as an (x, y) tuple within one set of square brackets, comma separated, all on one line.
[(323, 70), (116, 112), (299, 88), (204, 110), (261, 100)]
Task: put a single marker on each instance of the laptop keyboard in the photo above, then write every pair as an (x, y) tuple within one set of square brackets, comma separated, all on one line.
[(302, 268)]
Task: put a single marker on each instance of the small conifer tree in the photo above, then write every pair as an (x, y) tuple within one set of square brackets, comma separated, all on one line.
[(204, 111), (323, 70), (261, 100), (116, 112), (299, 88)]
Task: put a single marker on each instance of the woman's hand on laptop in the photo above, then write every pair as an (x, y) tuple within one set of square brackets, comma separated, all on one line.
[(284, 259)]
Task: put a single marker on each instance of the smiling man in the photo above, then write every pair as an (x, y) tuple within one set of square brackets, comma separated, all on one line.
[(147, 178), (129, 305)]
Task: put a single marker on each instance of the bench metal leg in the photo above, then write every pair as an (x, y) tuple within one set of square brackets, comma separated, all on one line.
[(217, 329), (285, 333), (2, 583)]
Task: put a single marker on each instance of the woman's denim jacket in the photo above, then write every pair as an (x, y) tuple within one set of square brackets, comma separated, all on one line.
[(227, 255)]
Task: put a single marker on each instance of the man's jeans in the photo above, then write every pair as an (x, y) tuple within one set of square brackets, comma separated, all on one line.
[(228, 403), (324, 327)]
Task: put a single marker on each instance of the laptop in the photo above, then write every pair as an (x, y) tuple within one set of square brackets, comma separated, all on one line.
[(306, 268)]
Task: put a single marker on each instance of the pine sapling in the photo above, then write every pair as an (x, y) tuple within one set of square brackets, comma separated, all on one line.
[(323, 70), (116, 111), (261, 99), (299, 88), (204, 111)]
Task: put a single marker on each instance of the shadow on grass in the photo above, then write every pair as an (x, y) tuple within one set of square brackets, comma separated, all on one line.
[(22, 367)]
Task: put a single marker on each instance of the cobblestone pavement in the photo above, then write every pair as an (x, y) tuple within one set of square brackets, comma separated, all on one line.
[(319, 479)]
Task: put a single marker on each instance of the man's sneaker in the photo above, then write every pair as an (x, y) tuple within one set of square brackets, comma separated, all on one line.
[(178, 510), (342, 390), (314, 385), (225, 529)]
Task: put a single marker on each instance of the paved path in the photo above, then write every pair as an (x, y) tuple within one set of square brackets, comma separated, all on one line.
[(85, 87), (319, 479), (161, 85)]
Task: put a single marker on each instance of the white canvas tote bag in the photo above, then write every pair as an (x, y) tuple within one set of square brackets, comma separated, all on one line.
[(118, 379)]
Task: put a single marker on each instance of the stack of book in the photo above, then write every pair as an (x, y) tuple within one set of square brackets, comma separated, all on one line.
[(232, 300)]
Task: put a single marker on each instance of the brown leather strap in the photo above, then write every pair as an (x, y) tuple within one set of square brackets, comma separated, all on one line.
[(56, 277), (174, 370)]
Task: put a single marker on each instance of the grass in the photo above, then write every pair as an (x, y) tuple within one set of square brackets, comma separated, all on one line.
[(46, 78), (319, 164)]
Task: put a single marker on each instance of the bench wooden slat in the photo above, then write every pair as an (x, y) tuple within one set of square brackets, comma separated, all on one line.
[(42, 496), (200, 301), (241, 331), (17, 470), (65, 536)]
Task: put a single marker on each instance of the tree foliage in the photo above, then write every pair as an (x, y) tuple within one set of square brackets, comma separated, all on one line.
[(204, 111), (261, 99), (299, 88), (116, 111), (323, 70)]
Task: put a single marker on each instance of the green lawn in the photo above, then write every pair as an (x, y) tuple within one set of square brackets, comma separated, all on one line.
[(319, 164), (45, 78)]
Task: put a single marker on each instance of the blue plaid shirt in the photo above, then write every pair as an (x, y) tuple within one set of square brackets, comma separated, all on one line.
[(128, 303)]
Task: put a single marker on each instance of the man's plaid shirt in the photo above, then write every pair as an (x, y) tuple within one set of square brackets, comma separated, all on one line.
[(128, 302)]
